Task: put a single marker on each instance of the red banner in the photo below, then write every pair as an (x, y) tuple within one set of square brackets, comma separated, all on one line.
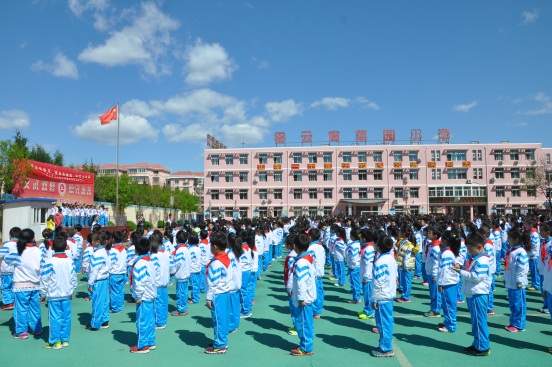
[(61, 184)]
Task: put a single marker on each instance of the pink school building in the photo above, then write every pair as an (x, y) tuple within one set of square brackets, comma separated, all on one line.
[(463, 179)]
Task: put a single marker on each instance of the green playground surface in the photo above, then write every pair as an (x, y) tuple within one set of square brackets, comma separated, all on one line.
[(341, 338)]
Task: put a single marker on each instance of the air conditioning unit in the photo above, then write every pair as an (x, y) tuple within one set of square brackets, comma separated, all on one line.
[(516, 181), (533, 163), (469, 182), (405, 180), (492, 179), (522, 180), (516, 163), (395, 202), (500, 163)]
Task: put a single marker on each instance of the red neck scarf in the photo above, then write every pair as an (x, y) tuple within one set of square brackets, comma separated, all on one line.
[(364, 246), (432, 244), (143, 257), (222, 257), (507, 261), (177, 247), (119, 247), (60, 255), (305, 256)]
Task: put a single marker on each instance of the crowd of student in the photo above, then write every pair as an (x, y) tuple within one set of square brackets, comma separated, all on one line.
[(379, 256)]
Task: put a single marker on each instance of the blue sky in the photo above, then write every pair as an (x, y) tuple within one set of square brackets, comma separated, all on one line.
[(242, 70)]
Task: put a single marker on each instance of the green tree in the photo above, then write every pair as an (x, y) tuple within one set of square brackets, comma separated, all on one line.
[(58, 158), (14, 167), (39, 154)]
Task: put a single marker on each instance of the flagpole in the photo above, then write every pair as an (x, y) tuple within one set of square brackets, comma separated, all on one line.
[(117, 163)]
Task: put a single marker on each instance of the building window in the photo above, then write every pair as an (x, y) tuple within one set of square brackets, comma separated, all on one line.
[(500, 191), (347, 193), (378, 174), (263, 211), (229, 195), (547, 158), (312, 158), (363, 193), (327, 175), (514, 173), (499, 173), (378, 193), (214, 194), (456, 155), (243, 212), (297, 194), (312, 175), (327, 211), (328, 193), (378, 156), (297, 158), (413, 156), (435, 155), (514, 155), (361, 157), (243, 176), (327, 157), (214, 177), (477, 155), (263, 158), (263, 176), (297, 176), (413, 174), (277, 176), (313, 194), (362, 175), (398, 174), (498, 155), (435, 173), (229, 159), (457, 173), (346, 157), (399, 192), (263, 194), (530, 173), (278, 158), (414, 193), (531, 191), (478, 173), (516, 191), (347, 175), (243, 194), (243, 158), (214, 160), (397, 156), (277, 194)]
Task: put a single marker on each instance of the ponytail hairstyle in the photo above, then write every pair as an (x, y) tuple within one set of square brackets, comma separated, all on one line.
[(135, 237), (108, 240), (236, 246), (98, 237), (453, 239), (519, 237), (156, 239), (47, 234), (26, 236), (250, 239), (476, 239)]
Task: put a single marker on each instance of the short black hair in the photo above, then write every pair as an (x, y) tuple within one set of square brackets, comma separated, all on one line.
[(14, 232), (385, 244), (60, 244), (314, 234), (218, 239), (302, 242), (143, 246)]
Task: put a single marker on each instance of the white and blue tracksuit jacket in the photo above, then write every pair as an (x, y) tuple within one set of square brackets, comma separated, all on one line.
[(58, 279)]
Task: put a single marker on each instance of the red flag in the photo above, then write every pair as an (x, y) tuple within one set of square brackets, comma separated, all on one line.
[(109, 116)]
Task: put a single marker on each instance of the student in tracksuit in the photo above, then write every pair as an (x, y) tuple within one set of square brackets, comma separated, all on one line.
[(476, 282), (352, 257), (86, 257), (516, 267), (367, 252), (418, 234), (544, 264), (205, 249), (161, 260), (497, 243), (461, 259), (339, 256), (246, 262), (234, 251), (131, 254), (117, 271), (317, 251), (8, 298), (288, 279), (490, 250), (58, 281), (180, 268), (259, 254), (219, 284), (98, 283), (195, 267), (79, 241), (448, 278), (144, 291), (303, 293), (26, 261), (383, 292), (433, 251), (534, 255), (407, 251)]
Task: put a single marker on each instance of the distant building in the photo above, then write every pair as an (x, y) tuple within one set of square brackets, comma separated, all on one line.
[(152, 174), (188, 181)]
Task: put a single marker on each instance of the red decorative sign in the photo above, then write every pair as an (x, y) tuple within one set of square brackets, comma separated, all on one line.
[(397, 164), (431, 164), (466, 164), (277, 166), (413, 164), (61, 184), (362, 165), (379, 164), (311, 165), (261, 167), (295, 166), (449, 164), (345, 165), (327, 165)]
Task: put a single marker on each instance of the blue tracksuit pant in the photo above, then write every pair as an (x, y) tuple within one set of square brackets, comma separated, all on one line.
[(145, 324), (182, 296), (384, 323), (318, 304), (548, 302), (266, 260), (26, 312), (340, 272), (490, 306), (202, 280), (100, 303), (425, 277), (219, 314), (252, 286), (367, 291), (292, 311), (78, 261), (434, 297), (518, 307), (534, 271), (418, 265), (477, 305), (59, 314), (161, 305), (7, 289), (449, 302), (354, 280), (245, 296), (195, 282), (304, 326), (117, 292), (459, 293), (234, 322), (405, 279)]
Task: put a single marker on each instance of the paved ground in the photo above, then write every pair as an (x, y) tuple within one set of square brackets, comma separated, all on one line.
[(341, 338)]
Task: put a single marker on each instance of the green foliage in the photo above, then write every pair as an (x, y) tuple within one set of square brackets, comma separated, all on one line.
[(160, 224), (39, 154), (148, 224), (111, 224), (58, 158), (14, 168), (131, 225)]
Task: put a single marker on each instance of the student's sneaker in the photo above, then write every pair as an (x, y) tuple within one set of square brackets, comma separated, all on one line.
[(375, 330), (402, 300), (353, 302), (64, 344), (316, 317), (479, 353), (190, 300), (549, 350), (298, 352), (135, 349), (87, 298), (432, 314), (333, 278), (470, 350), (443, 330), (105, 325), (531, 288), (491, 313), (380, 353), (338, 285), (415, 277), (160, 327), (213, 350), (513, 329), (233, 331), (89, 327), (7, 307), (23, 335), (152, 347), (543, 310), (363, 316), (292, 331), (176, 313), (425, 284), (460, 301), (56, 345), (246, 316)]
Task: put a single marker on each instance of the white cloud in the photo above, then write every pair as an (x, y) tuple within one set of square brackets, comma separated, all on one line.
[(332, 103), (283, 111), (142, 43), (208, 63), (133, 128), (528, 17), (78, 7), (364, 102), (521, 124), (260, 64), (176, 133), (139, 108), (14, 119), (545, 107), (61, 67), (238, 133), (464, 107)]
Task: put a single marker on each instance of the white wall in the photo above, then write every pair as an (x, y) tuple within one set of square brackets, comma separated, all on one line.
[(21, 214)]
